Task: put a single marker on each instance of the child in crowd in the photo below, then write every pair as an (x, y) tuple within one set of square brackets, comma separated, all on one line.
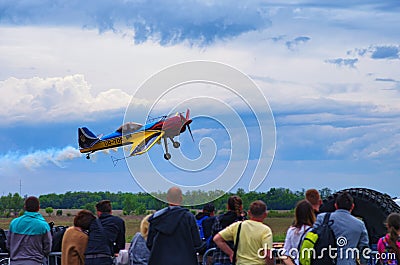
[(389, 245)]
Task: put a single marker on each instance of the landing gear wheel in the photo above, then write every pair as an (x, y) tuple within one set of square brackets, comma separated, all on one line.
[(371, 206), (87, 156), (167, 156), (176, 144)]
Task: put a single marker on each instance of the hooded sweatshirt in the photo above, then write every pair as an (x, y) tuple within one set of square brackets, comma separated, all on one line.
[(29, 239), (173, 237)]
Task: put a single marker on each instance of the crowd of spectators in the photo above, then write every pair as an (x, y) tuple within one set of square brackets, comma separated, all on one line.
[(173, 235)]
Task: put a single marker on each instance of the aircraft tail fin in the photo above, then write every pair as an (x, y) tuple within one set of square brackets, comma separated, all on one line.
[(86, 138)]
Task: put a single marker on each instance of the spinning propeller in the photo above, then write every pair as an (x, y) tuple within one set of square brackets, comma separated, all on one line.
[(186, 122)]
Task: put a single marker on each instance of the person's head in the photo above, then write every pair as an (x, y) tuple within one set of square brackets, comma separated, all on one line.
[(174, 196), (393, 225), (144, 226), (393, 221), (312, 195), (235, 204), (258, 210), (344, 201), (83, 219), (32, 204), (208, 209), (303, 214), (104, 206)]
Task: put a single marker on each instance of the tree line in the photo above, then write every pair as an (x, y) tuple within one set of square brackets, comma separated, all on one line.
[(139, 203)]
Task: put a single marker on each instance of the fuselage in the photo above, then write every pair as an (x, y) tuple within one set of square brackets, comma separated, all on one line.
[(171, 126)]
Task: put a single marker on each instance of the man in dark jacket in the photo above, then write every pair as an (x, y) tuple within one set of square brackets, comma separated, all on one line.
[(173, 233), (106, 236)]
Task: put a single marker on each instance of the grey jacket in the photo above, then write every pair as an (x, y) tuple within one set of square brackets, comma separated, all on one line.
[(29, 239), (138, 252), (351, 236)]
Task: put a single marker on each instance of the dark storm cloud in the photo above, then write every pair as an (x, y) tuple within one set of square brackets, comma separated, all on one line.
[(166, 22)]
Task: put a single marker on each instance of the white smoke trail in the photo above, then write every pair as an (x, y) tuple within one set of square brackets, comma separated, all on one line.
[(40, 158)]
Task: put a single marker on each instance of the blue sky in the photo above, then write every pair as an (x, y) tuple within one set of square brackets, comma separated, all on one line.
[(329, 72)]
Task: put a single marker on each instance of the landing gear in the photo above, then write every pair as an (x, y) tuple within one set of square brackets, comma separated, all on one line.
[(167, 155), (175, 144), (88, 156)]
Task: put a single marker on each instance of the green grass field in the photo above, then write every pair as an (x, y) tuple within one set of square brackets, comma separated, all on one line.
[(279, 225)]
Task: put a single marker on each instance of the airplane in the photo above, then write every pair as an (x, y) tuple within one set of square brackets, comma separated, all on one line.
[(141, 137)]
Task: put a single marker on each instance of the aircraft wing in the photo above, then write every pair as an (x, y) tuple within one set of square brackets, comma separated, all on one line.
[(142, 141)]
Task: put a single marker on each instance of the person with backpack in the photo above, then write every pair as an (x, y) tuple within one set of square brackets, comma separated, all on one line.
[(304, 219), (234, 214), (337, 238), (205, 220), (389, 245)]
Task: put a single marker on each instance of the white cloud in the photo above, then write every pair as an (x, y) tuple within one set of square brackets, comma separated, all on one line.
[(224, 152), (206, 132), (331, 140), (58, 98)]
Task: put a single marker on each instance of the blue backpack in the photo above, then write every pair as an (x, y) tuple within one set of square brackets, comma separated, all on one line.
[(200, 225)]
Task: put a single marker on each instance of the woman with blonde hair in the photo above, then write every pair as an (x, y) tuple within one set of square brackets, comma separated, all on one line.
[(138, 252)]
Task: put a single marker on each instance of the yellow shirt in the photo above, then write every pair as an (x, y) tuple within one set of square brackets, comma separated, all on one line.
[(254, 238)]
